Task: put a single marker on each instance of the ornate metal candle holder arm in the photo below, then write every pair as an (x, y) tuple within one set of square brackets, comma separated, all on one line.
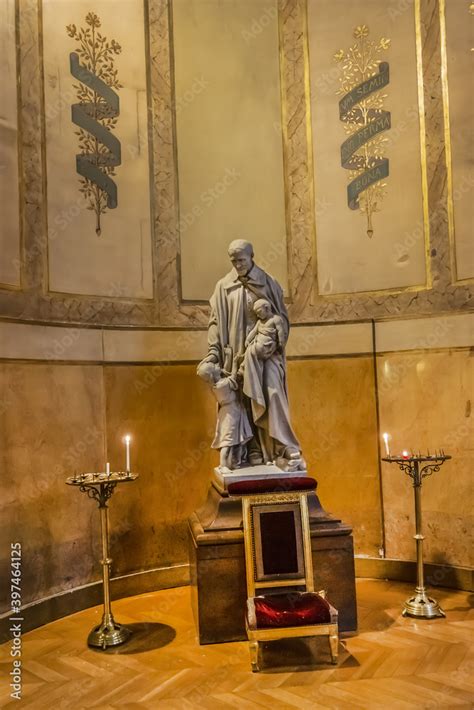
[(420, 605), (101, 494), (405, 466), (100, 487), (431, 468)]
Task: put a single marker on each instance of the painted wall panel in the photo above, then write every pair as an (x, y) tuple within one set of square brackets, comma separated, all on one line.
[(98, 165), (333, 414), (425, 403), (229, 137), (9, 189), (457, 19), (51, 424), (366, 145)]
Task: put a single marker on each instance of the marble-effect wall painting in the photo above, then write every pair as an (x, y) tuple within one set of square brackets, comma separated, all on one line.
[(367, 147), (457, 23), (9, 173), (97, 148), (445, 378)]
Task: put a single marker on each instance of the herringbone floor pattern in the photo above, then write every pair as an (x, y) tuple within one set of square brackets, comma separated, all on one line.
[(392, 663)]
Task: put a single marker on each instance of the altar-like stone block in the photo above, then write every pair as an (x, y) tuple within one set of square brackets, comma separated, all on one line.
[(217, 564)]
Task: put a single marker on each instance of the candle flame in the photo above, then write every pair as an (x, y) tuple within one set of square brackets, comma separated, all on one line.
[(127, 438)]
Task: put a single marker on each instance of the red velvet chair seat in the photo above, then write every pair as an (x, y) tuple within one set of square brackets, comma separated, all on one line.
[(272, 485), (290, 609)]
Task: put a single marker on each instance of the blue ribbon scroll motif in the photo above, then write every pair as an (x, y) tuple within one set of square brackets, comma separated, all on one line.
[(86, 115), (373, 122)]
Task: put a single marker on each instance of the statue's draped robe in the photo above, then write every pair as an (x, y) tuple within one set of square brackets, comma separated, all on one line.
[(230, 321)]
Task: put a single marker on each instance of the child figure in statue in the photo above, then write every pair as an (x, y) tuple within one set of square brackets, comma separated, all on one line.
[(233, 428), (267, 335)]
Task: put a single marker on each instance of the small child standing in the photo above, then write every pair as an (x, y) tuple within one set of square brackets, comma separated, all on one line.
[(233, 428)]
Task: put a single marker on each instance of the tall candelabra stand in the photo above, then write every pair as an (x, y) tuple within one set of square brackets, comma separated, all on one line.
[(100, 487), (418, 467)]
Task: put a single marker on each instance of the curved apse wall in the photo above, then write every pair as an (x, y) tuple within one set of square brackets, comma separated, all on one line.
[(361, 362)]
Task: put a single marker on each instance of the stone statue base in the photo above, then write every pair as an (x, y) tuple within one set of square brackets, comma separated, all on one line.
[(222, 477), (217, 560)]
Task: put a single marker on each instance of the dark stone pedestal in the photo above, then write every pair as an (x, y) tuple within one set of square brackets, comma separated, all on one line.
[(216, 552)]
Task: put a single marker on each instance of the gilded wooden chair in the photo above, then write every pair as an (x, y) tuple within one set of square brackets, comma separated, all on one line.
[(281, 600)]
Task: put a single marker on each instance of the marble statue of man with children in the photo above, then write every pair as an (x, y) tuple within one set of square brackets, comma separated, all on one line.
[(246, 367)]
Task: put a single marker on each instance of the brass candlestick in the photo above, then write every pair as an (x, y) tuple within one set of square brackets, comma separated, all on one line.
[(100, 487), (420, 605)]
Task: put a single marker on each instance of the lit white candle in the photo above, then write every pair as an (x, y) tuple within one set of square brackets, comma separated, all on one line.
[(127, 450), (107, 469), (387, 448)]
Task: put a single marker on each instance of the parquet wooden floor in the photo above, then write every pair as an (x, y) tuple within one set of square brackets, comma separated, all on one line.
[(393, 662)]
